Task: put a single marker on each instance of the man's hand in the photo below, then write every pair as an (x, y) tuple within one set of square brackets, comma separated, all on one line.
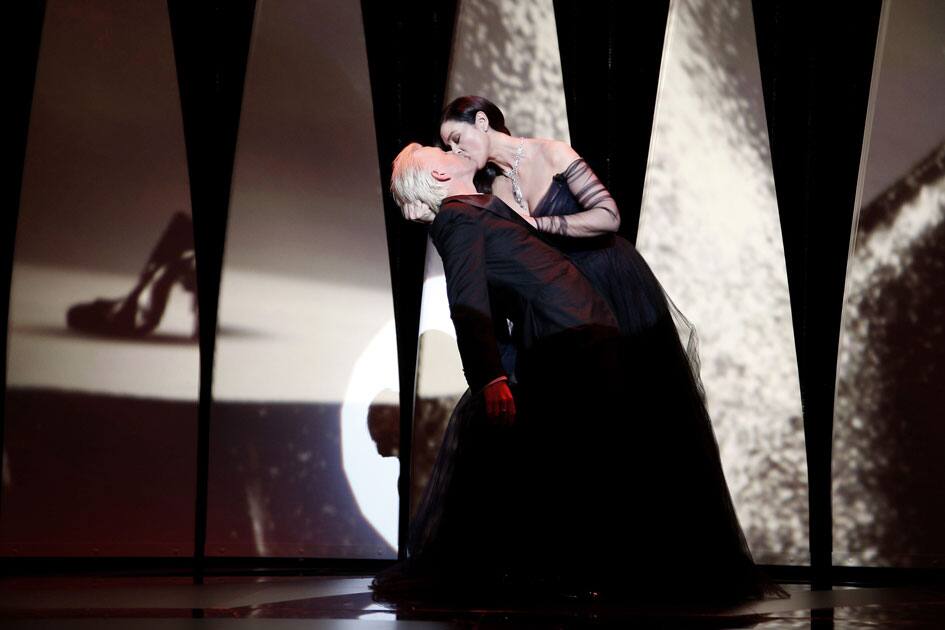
[(418, 211), (500, 405)]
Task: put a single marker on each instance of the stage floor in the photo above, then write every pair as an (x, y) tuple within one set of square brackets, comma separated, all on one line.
[(345, 602)]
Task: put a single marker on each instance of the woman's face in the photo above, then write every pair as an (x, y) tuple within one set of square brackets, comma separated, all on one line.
[(466, 140)]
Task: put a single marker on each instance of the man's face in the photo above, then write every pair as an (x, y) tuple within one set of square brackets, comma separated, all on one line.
[(445, 165)]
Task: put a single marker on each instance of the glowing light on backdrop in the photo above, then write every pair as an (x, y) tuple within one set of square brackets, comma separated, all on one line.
[(373, 479)]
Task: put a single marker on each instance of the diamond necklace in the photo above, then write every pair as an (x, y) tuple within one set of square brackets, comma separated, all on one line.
[(512, 174)]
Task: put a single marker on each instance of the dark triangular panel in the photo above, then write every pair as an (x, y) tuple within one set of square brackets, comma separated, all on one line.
[(28, 18), (211, 45), (408, 48), (816, 63), (610, 59)]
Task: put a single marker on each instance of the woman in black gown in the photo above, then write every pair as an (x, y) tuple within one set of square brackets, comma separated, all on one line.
[(655, 518)]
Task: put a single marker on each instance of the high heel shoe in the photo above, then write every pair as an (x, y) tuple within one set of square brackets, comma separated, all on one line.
[(140, 311)]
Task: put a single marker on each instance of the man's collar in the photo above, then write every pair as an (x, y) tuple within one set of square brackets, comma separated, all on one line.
[(490, 203)]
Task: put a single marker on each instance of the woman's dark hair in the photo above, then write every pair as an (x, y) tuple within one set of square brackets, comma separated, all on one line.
[(464, 109)]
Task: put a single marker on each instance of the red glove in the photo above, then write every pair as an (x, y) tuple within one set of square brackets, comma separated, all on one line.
[(500, 405)]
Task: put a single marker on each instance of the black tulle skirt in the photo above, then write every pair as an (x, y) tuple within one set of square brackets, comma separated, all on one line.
[(609, 481)]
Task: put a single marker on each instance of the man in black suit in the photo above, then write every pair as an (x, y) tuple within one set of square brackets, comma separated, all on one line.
[(535, 485), (498, 267)]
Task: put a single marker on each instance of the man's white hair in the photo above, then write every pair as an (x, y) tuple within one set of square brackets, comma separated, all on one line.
[(410, 181)]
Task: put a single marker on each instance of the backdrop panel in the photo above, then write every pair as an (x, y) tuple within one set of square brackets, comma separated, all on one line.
[(888, 429), (709, 228), (101, 403), (304, 423)]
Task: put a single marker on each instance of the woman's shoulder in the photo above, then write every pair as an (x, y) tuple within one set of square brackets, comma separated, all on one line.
[(557, 154)]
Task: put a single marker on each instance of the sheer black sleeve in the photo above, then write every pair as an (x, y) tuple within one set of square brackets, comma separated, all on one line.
[(600, 214)]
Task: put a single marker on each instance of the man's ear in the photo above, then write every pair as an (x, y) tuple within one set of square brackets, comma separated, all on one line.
[(440, 176), (482, 121)]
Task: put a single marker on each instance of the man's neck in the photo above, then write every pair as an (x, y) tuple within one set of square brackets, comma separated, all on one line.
[(461, 187)]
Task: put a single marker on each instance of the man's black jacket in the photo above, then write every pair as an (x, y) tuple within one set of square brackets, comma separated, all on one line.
[(497, 266)]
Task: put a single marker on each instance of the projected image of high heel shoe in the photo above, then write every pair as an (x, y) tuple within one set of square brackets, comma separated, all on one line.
[(138, 313)]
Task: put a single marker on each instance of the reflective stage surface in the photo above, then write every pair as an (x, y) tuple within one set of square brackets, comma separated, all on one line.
[(343, 602)]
